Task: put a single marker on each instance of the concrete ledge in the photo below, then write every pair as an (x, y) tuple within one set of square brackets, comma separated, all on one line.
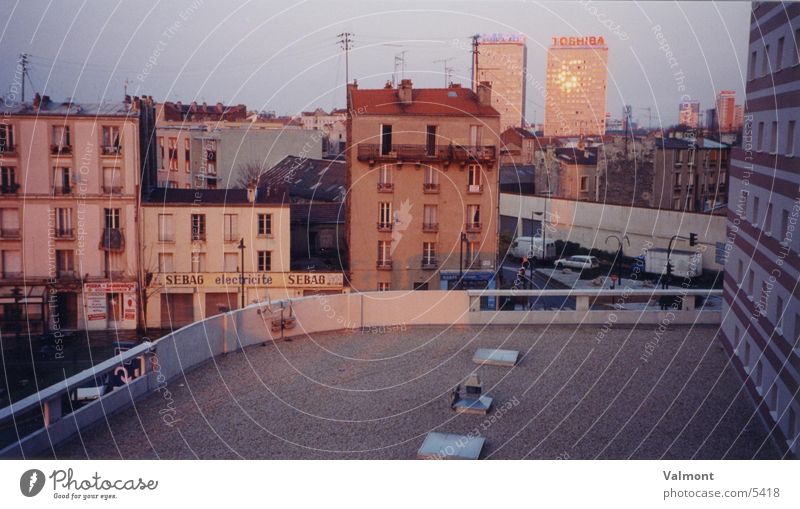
[(569, 317)]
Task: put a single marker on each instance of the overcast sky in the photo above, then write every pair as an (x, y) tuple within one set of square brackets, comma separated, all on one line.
[(285, 56)]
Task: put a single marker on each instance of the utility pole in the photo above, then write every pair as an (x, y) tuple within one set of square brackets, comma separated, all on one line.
[(475, 61), (446, 68), (346, 40), (23, 63)]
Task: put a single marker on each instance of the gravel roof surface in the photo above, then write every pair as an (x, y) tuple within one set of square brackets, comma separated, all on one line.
[(577, 392)]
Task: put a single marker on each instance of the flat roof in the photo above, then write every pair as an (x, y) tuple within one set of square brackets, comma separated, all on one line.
[(378, 393)]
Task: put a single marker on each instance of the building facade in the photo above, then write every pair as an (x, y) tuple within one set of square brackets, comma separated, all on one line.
[(689, 114), (422, 198), (726, 110), (502, 60), (577, 76), (691, 175), (192, 263), (68, 207), (761, 327)]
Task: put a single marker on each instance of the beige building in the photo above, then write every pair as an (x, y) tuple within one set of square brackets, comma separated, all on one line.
[(502, 60), (68, 205), (726, 111), (577, 77), (423, 186), (191, 259)]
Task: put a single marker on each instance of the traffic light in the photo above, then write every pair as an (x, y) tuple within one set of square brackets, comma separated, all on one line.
[(692, 239)]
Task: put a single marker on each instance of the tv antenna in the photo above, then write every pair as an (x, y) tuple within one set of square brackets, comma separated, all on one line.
[(447, 69)]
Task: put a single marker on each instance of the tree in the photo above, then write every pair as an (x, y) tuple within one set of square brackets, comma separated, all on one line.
[(246, 173)]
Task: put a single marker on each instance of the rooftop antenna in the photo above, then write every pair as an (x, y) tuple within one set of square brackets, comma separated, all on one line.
[(447, 69), (23, 63), (475, 60), (399, 62), (346, 40)]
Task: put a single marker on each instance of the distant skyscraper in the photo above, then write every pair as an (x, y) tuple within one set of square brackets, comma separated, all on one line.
[(502, 61), (726, 104), (577, 76), (689, 114), (711, 119), (738, 117)]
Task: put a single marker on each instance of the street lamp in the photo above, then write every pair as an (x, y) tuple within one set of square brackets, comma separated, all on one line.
[(618, 256), (461, 258), (241, 270)]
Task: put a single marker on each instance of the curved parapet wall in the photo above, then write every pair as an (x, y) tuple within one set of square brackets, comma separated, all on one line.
[(32, 427)]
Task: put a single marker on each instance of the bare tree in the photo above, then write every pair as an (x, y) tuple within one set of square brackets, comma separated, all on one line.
[(246, 173)]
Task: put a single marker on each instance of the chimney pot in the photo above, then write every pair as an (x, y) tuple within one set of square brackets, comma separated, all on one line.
[(485, 93), (37, 100), (405, 92)]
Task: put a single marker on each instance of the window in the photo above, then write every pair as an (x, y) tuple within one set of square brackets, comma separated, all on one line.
[(386, 139), (430, 140), (746, 357), (795, 53), (676, 179), (753, 58), (264, 261), (186, 156), (773, 138), (161, 151), (767, 226), (385, 215), (60, 139), (790, 138), (778, 312), (784, 224), (760, 137), (173, 154), (428, 254), (8, 180), (165, 263), (231, 227), (63, 222), (9, 223), (740, 271), (12, 263), (230, 262), (198, 261), (384, 287), (112, 180), (751, 278), (112, 218), (765, 61), (111, 141), (62, 181), (166, 228), (7, 138), (198, 227), (779, 55), (473, 249), (265, 224), (431, 176), (475, 135), (474, 176), (754, 218), (384, 252), (584, 184), (430, 218), (385, 177), (65, 262), (474, 215)]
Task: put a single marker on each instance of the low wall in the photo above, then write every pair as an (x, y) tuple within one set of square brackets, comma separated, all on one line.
[(195, 344)]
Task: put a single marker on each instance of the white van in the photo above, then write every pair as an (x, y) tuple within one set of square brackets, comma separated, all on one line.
[(532, 248)]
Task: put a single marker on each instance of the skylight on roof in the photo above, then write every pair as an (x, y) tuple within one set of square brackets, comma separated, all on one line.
[(452, 93)]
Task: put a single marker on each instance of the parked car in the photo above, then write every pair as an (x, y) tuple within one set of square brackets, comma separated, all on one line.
[(532, 247), (580, 262)]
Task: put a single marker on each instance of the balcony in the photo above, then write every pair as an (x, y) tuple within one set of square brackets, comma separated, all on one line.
[(429, 264), (111, 150), (9, 233), (111, 190), (70, 274), (384, 227), (63, 190), (60, 150), (8, 149), (475, 189), (64, 233), (429, 188), (198, 235), (372, 153), (9, 188), (385, 187), (12, 275), (473, 227), (113, 239), (114, 274), (430, 227), (384, 265)]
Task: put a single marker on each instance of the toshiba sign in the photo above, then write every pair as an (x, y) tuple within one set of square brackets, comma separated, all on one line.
[(579, 41)]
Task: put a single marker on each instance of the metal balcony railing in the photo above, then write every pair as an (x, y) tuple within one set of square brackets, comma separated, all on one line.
[(58, 150), (385, 187), (430, 227), (384, 227), (64, 233), (430, 188), (429, 264), (371, 152), (112, 189), (9, 233), (113, 239), (384, 265), (473, 227), (9, 188)]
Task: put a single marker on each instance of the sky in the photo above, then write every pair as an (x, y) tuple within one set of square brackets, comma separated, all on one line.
[(285, 56)]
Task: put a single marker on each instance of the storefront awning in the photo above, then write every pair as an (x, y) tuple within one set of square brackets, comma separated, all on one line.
[(22, 294)]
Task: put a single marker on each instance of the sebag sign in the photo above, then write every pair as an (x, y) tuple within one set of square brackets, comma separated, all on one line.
[(308, 280)]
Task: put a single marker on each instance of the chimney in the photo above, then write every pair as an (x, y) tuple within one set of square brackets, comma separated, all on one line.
[(404, 92), (37, 100), (485, 93), (252, 191), (220, 108)]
